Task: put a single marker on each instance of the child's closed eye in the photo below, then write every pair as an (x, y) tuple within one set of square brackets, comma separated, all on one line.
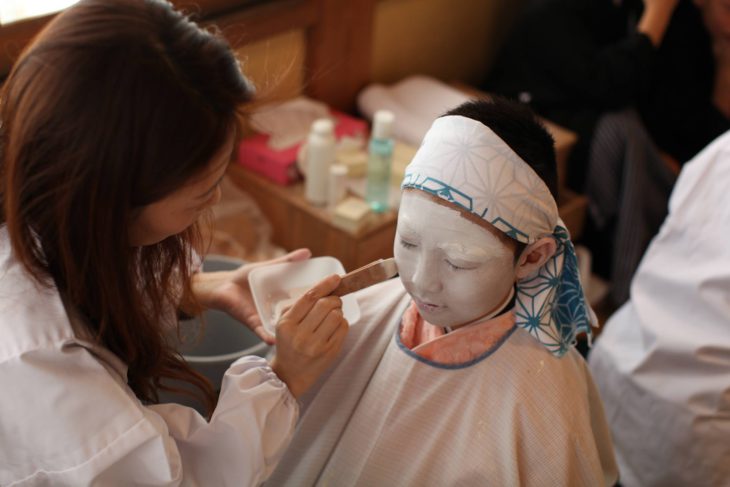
[(407, 245), (458, 268)]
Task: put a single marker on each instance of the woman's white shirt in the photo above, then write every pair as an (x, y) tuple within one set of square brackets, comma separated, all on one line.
[(67, 416)]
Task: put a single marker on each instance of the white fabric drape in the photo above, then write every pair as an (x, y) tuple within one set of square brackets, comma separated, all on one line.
[(520, 416)]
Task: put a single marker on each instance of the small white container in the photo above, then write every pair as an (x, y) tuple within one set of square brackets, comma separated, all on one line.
[(320, 156), (273, 284), (337, 185)]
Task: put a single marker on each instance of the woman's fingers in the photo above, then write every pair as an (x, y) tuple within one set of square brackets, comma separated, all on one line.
[(343, 327), (319, 312), (309, 336), (304, 305), (263, 334), (329, 326), (297, 255)]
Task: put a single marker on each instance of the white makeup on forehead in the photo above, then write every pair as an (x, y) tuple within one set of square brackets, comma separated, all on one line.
[(450, 262), (422, 218)]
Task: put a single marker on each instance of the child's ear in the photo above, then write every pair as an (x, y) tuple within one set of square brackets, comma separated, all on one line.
[(534, 257)]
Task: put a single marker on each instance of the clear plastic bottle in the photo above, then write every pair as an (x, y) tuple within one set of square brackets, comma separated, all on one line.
[(380, 160), (320, 156)]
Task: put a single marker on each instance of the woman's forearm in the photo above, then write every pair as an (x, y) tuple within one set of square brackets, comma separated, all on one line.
[(655, 19)]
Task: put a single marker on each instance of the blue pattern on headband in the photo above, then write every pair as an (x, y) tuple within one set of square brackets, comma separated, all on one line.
[(571, 312), (452, 195), (440, 189)]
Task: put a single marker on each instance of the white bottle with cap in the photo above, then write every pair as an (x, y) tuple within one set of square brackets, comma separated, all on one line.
[(320, 156), (380, 157), (337, 185)]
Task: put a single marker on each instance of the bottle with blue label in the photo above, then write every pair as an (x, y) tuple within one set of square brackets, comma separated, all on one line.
[(380, 159)]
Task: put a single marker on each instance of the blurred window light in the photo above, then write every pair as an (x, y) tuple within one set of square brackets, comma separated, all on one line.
[(14, 10)]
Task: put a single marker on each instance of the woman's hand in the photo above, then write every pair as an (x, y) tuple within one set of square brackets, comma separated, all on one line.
[(309, 337), (229, 291)]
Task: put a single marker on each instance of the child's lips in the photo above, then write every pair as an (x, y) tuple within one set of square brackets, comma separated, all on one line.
[(429, 307)]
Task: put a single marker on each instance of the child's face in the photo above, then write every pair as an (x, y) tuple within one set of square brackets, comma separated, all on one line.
[(456, 270)]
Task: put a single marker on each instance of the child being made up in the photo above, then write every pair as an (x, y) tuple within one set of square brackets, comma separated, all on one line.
[(462, 372)]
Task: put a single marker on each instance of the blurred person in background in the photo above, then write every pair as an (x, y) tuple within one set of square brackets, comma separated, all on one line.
[(645, 87), (662, 362)]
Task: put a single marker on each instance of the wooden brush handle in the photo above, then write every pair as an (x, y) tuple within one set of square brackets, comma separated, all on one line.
[(361, 278)]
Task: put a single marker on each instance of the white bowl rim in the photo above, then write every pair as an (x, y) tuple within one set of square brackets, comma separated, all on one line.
[(255, 274), (227, 357)]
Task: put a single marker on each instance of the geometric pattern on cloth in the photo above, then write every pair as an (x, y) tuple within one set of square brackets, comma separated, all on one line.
[(464, 162), (453, 195), (551, 305)]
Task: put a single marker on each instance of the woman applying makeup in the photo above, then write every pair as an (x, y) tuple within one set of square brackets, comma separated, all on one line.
[(117, 124)]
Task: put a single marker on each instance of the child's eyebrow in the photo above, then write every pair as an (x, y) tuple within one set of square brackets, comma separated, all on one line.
[(404, 226), (469, 251)]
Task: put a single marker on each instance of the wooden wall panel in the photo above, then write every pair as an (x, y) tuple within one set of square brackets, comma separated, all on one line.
[(339, 51), (338, 38)]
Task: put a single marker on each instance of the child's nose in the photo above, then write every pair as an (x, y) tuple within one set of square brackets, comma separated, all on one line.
[(427, 277)]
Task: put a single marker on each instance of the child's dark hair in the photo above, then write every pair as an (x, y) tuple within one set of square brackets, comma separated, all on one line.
[(518, 126)]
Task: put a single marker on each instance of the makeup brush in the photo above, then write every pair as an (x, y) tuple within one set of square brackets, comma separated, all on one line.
[(367, 275)]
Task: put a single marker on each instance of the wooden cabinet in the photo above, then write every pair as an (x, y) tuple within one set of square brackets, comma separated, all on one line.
[(296, 223)]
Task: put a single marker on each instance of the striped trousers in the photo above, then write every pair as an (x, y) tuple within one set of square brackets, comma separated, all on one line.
[(628, 186)]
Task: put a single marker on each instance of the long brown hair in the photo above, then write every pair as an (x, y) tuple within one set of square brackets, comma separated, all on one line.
[(116, 104)]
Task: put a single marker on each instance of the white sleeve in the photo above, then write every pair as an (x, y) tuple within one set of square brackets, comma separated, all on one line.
[(247, 434), (100, 434)]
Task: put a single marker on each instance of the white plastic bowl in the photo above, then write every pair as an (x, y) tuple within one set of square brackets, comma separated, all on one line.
[(275, 283)]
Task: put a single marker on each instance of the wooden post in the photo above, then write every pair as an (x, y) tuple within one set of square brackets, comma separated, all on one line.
[(339, 47)]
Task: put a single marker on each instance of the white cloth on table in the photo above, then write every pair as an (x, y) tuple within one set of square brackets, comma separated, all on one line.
[(383, 416), (663, 361), (67, 416), (416, 101)]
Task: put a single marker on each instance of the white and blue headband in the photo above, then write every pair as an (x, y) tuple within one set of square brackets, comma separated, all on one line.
[(465, 163)]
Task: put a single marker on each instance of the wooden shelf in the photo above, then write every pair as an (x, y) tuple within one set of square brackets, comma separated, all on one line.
[(296, 223)]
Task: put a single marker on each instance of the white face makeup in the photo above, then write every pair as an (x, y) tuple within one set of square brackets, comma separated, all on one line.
[(455, 270)]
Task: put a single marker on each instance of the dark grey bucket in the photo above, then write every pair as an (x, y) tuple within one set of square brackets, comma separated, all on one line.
[(222, 342)]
